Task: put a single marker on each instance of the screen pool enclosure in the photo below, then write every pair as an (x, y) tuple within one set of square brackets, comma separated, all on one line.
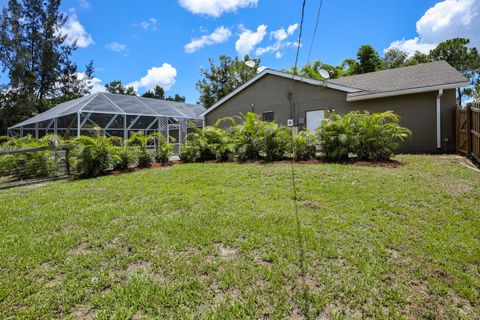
[(117, 115)]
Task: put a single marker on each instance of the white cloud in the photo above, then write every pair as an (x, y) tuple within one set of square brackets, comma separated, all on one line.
[(221, 34), (216, 8), (249, 39), (75, 32), (95, 82), (280, 36), (412, 45), (292, 28), (148, 24), (163, 76), (84, 4), (446, 19), (116, 46)]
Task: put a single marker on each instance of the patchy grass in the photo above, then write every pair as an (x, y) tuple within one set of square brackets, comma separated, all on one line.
[(220, 241)]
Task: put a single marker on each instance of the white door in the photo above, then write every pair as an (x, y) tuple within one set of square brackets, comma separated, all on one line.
[(314, 119)]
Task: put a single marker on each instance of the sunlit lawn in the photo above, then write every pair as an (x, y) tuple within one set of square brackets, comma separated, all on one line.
[(220, 241)]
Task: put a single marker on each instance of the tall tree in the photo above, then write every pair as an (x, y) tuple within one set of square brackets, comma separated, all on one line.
[(349, 66), (117, 87), (463, 58), (368, 60), (219, 80), (34, 55), (417, 58), (394, 58)]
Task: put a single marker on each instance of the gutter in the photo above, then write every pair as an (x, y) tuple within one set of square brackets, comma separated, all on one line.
[(439, 119), (385, 94)]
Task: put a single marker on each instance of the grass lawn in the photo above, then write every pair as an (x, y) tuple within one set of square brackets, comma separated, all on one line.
[(220, 241)]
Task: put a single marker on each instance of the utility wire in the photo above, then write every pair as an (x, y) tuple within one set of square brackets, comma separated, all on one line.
[(315, 31), (301, 244)]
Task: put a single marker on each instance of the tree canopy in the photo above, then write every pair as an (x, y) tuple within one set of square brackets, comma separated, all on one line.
[(37, 60), (466, 60), (117, 87), (219, 80), (456, 52)]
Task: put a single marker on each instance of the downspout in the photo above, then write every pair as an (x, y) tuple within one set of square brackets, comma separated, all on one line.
[(439, 119)]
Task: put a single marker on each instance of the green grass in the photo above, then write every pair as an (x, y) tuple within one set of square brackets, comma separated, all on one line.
[(220, 241)]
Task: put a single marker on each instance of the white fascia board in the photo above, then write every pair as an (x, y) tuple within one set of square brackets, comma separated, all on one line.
[(283, 75), (407, 91)]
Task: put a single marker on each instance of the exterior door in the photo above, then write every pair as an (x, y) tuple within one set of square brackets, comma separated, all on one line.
[(314, 119)]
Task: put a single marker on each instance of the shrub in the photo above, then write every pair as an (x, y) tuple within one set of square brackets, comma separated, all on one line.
[(163, 149), (337, 136), (209, 143), (303, 146), (35, 164), (379, 135), (91, 157), (274, 140), (363, 135), (122, 158), (141, 140), (247, 138)]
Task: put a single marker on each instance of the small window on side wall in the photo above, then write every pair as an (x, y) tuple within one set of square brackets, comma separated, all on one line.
[(268, 116)]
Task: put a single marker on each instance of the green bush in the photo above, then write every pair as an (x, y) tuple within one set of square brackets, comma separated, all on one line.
[(141, 140), (122, 158), (37, 164), (274, 141), (303, 146), (91, 157), (379, 135), (206, 144), (337, 136), (247, 138), (163, 149), (364, 136)]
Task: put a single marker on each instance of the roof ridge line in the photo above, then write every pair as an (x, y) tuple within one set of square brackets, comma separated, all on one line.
[(116, 105)]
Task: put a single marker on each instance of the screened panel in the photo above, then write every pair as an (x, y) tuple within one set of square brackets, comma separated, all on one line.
[(101, 104), (130, 104)]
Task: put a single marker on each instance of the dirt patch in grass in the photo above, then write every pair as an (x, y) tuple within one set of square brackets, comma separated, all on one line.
[(139, 266), (381, 164), (312, 204), (83, 313), (82, 248), (226, 252)]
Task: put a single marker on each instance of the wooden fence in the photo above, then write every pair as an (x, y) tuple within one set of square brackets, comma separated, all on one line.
[(468, 131)]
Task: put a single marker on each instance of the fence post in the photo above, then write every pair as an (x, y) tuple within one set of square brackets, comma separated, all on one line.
[(67, 160), (468, 119), (457, 129)]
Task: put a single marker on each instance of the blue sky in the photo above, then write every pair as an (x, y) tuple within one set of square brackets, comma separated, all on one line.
[(126, 39)]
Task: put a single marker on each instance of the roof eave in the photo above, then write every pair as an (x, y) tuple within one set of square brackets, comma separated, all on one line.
[(407, 91)]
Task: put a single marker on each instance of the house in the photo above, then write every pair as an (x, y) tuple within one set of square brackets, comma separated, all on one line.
[(423, 95)]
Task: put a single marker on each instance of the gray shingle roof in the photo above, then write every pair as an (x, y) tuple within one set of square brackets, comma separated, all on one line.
[(418, 76)]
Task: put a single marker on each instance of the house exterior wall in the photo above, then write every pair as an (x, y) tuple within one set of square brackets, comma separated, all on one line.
[(417, 111)]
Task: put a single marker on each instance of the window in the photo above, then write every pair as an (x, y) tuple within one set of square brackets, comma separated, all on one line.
[(268, 116)]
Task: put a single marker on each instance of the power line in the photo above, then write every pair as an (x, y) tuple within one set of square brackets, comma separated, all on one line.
[(299, 43), (315, 31), (301, 246)]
